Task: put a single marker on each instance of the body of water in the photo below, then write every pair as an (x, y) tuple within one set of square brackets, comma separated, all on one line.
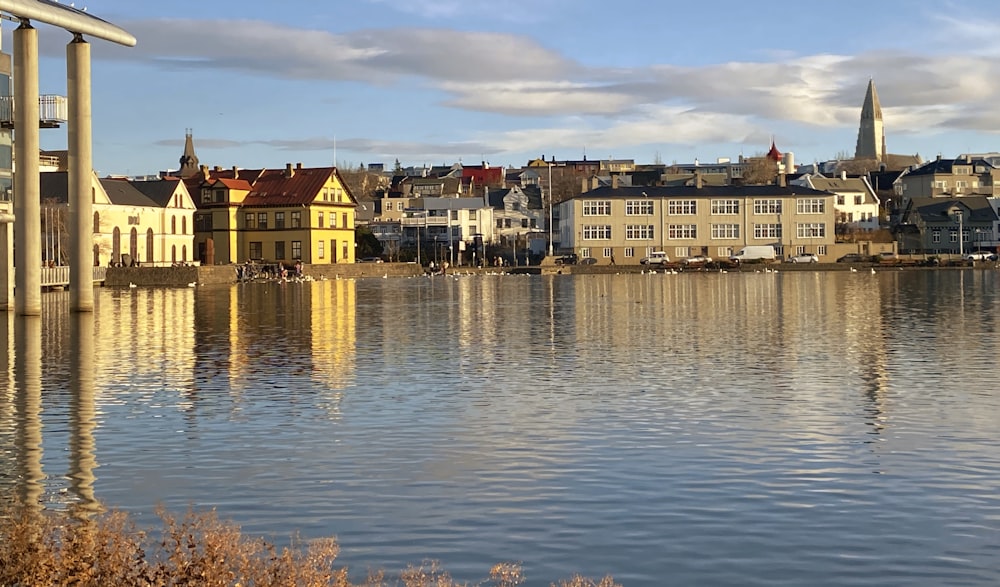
[(806, 428)]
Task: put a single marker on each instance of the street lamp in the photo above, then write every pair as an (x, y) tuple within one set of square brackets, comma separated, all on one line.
[(961, 251), (550, 210)]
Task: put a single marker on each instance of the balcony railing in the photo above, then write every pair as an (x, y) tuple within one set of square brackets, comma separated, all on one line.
[(52, 111)]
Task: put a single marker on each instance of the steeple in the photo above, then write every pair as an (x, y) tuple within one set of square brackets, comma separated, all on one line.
[(188, 161), (871, 132)]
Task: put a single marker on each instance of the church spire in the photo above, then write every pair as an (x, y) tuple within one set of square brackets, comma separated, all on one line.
[(871, 132), (188, 161)]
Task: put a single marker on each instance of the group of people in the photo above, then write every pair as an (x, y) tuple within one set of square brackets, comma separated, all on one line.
[(250, 270)]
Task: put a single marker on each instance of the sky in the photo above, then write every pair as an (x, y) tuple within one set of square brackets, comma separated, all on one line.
[(352, 82)]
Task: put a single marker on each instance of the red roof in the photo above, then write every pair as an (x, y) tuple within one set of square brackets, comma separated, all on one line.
[(774, 154), (274, 187)]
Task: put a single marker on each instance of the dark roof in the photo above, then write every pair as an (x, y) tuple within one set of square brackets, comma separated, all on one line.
[(733, 191), (533, 193), (945, 166), (160, 191), (122, 193), (935, 210)]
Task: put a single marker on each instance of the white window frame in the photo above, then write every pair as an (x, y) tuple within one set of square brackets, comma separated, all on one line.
[(810, 230), (682, 207), (643, 207), (595, 232), (810, 206), (725, 207), (597, 207), (767, 206), (682, 231), (725, 231)]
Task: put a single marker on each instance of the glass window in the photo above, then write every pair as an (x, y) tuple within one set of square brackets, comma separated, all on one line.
[(256, 250), (296, 221), (597, 208), (725, 231), (682, 207), (810, 205), (279, 250), (595, 232), (727, 207), (811, 230), (262, 220), (279, 222), (767, 206), (249, 220), (320, 222), (638, 232), (296, 249), (766, 231), (642, 207), (682, 231), (629, 252), (320, 248)]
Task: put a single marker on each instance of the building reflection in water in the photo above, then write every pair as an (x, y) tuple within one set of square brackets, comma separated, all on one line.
[(82, 458), (28, 406)]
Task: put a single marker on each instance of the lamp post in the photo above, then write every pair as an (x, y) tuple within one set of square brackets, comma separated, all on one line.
[(961, 251), (550, 210)]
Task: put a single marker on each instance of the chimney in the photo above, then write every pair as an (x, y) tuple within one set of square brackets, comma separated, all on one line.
[(289, 172), (218, 168), (298, 166), (584, 187), (698, 183), (614, 182), (782, 182), (843, 174), (236, 172), (204, 173)]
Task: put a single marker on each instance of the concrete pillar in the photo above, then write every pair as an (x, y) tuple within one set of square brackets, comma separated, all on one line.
[(6, 262), (81, 166), (27, 198)]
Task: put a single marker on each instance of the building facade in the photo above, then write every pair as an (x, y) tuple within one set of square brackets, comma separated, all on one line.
[(685, 221)]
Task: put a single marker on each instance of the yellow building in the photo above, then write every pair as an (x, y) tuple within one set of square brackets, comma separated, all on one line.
[(274, 215)]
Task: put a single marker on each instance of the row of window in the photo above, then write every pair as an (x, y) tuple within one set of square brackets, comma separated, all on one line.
[(525, 223), (134, 220), (257, 250), (260, 220), (683, 252), (952, 235), (718, 207), (690, 231)]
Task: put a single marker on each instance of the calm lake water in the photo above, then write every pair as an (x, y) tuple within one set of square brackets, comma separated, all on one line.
[(697, 429)]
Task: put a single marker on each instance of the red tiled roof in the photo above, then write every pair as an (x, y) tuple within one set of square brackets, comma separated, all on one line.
[(235, 184), (275, 188)]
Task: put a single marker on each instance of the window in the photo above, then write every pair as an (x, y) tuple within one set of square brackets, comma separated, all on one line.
[(262, 220), (279, 222), (250, 220), (725, 231), (97, 222), (333, 224), (800, 250), (184, 225), (296, 249), (642, 207), (279, 250), (682, 251), (682, 231), (608, 252), (320, 248), (585, 252), (524, 223), (821, 250), (597, 208), (634, 232), (953, 235), (594, 232), (203, 222), (682, 207), (767, 231), (935, 236), (811, 230), (500, 222), (296, 222), (220, 196), (629, 252), (724, 252), (767, 206), (810, 206), (840, 200), (399, 208), (173, 225), (725, 207), (343, 218), (858, 200), (506, 223), (256, 251), (344, 252)]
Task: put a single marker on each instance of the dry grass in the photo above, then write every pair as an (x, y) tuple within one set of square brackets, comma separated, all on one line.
[(55, 549)]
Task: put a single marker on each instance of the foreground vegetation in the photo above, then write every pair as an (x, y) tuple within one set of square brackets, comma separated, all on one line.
[(196, 549)]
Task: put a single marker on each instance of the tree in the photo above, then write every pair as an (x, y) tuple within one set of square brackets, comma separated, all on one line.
[(367, 244), (759, 171)]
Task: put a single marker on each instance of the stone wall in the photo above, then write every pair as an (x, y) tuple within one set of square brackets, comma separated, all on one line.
[(222, 274)]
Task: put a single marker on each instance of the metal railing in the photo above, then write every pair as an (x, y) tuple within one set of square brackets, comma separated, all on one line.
[(52, 110), (55, 276)]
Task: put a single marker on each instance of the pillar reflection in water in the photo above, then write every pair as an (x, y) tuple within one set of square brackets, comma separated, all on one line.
[(82, 460), (28, 436)]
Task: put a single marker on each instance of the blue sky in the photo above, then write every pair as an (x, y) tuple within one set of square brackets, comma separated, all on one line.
[(438, 81)]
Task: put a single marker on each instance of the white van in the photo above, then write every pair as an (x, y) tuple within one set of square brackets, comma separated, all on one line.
[(754, 253)]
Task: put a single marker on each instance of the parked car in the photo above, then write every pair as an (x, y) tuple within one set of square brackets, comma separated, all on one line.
[(372, 260), (980, 256), (567, 259), (888, 256), (697, 259), (754, 253), (588, 261), (807, 258), (851, 258), (655, 258)]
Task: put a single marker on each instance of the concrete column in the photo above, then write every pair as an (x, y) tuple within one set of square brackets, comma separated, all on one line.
[(6, 262), (81, 165), (27, 198)]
